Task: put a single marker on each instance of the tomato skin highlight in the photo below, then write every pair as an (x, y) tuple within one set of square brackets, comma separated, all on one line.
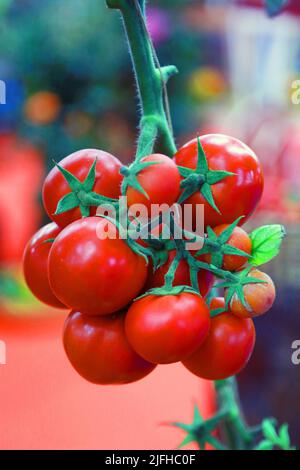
[(35, 262), (239, 239), (161, 182), (166, 329), (182, 276), (99, 351), (227, 348), (107, 183), (235, 195), (260, 297), (92, 275)]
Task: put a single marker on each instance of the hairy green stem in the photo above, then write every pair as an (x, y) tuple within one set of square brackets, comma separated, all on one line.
[(234, 429), (150, 81)]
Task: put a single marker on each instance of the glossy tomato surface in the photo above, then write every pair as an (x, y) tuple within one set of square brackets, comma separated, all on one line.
[(160, 181), (99, 351), (35, 263), (182, 276), (168, 328), (227, 348), (107, 182), (93, 275), (235, 195)]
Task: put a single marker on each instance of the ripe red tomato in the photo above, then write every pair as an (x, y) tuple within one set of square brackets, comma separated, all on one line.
[(260, 297), (182, 276), (161, 183), (239, 239), (235, 195), (93, 275), (168, 328), (107, 182), (35, 262), (227, 348), (99, 351)]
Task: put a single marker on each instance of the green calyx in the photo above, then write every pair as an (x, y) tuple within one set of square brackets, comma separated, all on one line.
[(82, 194), (201, 179), (217, 246), (168, 290), (235, 287), (200, 430), (131, 173)]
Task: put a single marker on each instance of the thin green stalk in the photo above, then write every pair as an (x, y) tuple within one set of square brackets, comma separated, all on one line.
[(234, 430), (150, 80)]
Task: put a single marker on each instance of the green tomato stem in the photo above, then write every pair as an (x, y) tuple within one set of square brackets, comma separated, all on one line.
[(150, 81), (234, 429)]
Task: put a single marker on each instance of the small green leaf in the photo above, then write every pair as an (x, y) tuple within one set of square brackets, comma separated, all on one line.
[(266, 243)]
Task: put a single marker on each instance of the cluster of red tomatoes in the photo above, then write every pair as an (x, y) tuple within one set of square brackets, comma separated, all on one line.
[(127, 314)]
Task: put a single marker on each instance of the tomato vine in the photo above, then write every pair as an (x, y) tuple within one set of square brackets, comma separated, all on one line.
[(156, 128)]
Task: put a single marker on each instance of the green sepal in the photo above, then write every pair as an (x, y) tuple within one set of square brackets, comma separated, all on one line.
[(82, 194), (218, 175), (235, 286), (231, 250), (72, 181), (89, 181), (211, 234), (200, 430), (226, 234), (175, 290), (217, 246), (217, 311), (184, 171), (201, 179), (66, 203), (130, 176), (266, 243), (207, 194)]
